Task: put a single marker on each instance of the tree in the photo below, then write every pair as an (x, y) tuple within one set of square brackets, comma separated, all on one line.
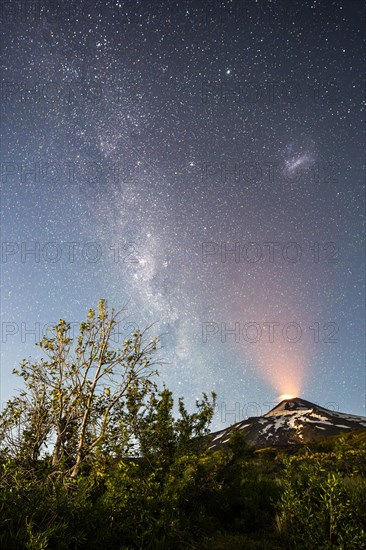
[(77, 399), (161, 436), (159, 500)]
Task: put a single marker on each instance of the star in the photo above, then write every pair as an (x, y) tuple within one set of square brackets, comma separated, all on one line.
[(203, 165)]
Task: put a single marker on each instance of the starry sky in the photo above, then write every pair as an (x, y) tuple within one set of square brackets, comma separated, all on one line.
[(200, 163)]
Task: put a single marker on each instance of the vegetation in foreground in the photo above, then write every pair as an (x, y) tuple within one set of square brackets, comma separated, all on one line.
[(92, 456)]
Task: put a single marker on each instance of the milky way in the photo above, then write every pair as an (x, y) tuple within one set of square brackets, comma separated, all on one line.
[(205, 163)]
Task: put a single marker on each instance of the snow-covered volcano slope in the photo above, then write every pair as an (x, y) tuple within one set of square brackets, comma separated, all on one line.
[(291, 421)]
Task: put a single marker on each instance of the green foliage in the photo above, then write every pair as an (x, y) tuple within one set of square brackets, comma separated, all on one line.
[(93, 456), (77, 399), (321, 506)]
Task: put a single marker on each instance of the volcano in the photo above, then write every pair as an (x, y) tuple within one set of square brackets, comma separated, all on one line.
[(292, 422)]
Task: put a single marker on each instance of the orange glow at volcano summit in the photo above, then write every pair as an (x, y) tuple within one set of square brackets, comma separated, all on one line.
[(284, 368), (285, 396)]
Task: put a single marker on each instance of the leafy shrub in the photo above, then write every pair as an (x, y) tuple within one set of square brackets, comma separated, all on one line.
[(321, 509)]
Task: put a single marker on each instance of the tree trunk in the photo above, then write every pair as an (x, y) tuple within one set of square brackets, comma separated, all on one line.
[(56, 451), (59, 443)]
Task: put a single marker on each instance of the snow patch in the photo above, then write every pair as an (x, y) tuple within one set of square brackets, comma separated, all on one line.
[(343, 426), (219, 436), (265, 429)]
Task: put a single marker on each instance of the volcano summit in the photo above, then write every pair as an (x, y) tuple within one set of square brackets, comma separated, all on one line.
[(292, 421)]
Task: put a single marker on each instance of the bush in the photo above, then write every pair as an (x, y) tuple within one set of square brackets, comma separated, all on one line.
[(321, 509)]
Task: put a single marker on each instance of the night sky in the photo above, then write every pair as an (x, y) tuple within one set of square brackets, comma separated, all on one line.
[(200, 163)]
